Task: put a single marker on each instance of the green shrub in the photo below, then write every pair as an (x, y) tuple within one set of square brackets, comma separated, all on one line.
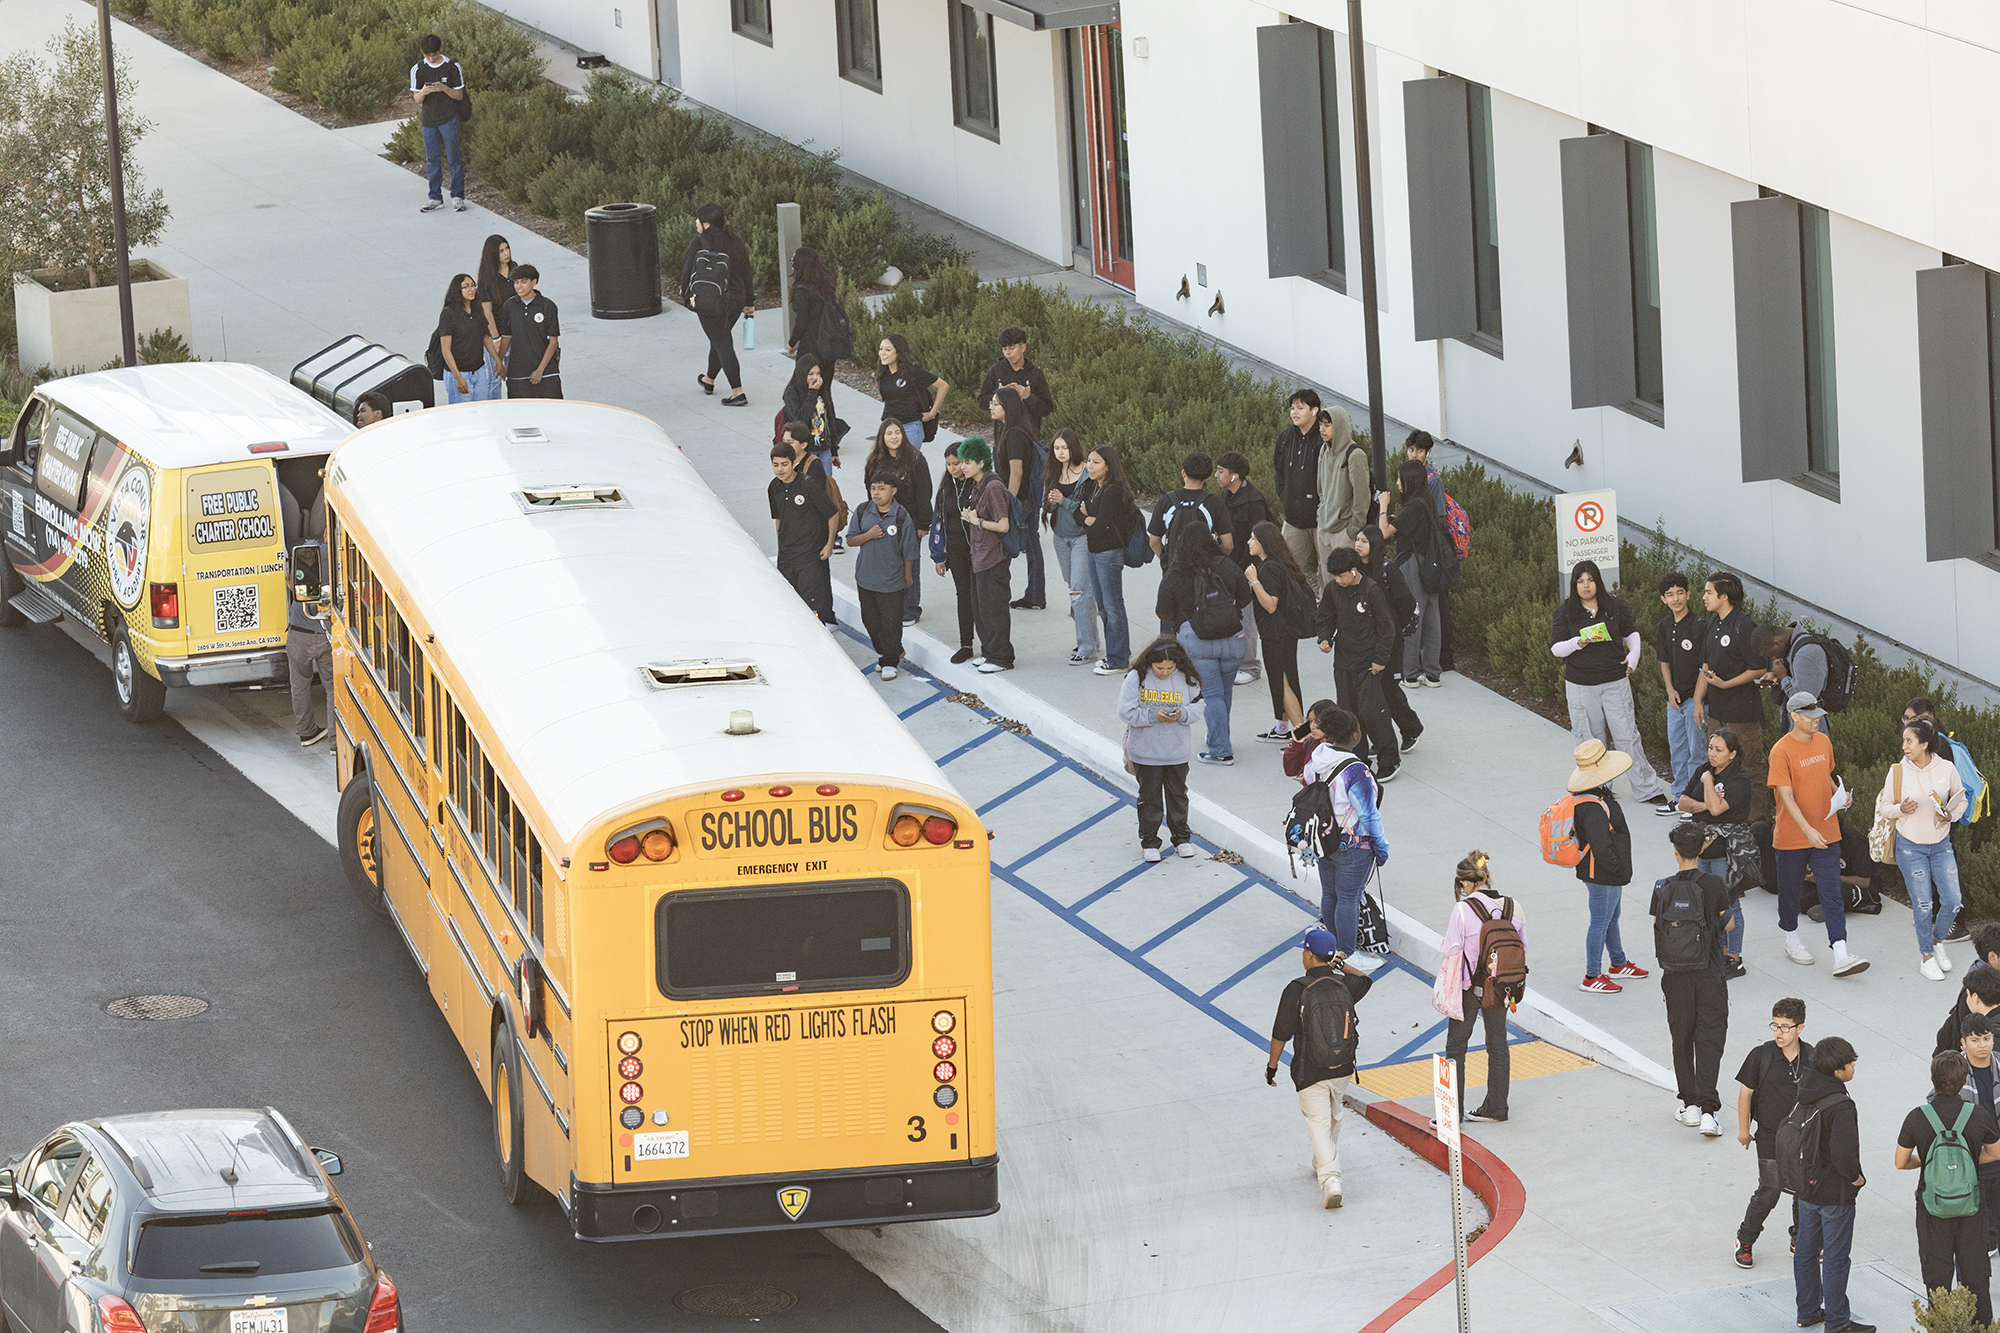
[(1950, 1311), (352, 74), (163, 346), (8, 411), (406, 142)]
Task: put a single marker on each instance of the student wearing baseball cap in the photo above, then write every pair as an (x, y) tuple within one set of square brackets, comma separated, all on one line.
[(1807, 832), (1317, 1012)]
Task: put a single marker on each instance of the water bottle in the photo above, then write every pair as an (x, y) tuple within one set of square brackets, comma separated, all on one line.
[(749, 333)]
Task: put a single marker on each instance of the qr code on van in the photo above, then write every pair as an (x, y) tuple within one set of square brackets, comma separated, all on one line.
[(236, 608)]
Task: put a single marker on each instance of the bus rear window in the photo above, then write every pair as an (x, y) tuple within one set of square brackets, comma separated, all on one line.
[(842, 936), (245, 1246)]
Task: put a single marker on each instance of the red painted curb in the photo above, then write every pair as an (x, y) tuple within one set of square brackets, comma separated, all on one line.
[(1485, 1175)]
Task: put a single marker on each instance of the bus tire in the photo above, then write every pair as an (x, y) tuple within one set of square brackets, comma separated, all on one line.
[(360, 849), (510, 1134), (141, 697), (11, 586)]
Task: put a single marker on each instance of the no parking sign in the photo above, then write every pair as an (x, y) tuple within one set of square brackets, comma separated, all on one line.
[(1587, 529)]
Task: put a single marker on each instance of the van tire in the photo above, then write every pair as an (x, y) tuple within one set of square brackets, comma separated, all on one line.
[(510, 1135), (361, 844), (141, 697), (11, 586)]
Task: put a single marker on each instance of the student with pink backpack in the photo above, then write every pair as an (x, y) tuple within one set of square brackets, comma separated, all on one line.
[(1587, 830)]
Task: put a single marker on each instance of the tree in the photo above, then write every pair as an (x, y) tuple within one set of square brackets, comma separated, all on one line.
[(55, 173)]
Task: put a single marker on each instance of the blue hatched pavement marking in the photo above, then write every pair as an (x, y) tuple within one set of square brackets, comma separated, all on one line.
[(971, 745), (1069, 833), (1196, 915), (1253, 966), (1020, 786), (1116, 884)]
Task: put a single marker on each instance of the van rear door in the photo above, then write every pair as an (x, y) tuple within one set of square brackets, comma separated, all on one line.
[(233, 598)]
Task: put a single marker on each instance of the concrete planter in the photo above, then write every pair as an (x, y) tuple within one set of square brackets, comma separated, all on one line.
[(78, 327)]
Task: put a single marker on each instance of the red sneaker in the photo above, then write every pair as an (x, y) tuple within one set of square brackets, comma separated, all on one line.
[(1628, 968), (1601, 983)]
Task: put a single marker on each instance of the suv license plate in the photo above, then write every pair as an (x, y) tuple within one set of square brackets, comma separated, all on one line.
[(258, 1321)]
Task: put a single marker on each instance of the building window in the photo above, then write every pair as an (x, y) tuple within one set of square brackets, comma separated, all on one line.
[(1079, 140), (1958, 375), (1454, 211), (1645, 236), (1612, 263), (752, 19), (1816, 283), (1785, 384), (860, 48), (1304, 213), (975, 77), (1485, 214)]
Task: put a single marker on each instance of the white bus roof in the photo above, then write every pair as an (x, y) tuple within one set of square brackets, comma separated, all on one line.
[(197, 412), (550, 617)]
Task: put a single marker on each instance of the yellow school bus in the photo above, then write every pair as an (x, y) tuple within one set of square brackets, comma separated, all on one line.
[(711, 927)]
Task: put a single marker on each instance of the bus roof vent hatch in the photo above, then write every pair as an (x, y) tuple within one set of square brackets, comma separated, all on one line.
[(543, 499), (526, 435), (702, 671)]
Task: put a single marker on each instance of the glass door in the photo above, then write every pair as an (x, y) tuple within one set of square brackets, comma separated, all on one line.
[(1110, 162)]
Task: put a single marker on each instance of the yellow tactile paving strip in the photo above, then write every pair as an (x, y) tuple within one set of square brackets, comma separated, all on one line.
[(1412, 1078)]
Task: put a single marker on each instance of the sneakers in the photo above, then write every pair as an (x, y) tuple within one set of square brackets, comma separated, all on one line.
[(1331, 1196), (1734, 970), (1798, 954), (1743, 1254), (1209, 757), (1023, 604), (1943, 961), (432, 207), (1486, 1117), (1279, 734), (980, 660), (1601, 984), (314, 739), (839, 543), (1960, 933), (742, 399), (990, 668), (911, 620), (1246, 677), (1853, 965), (1434, 682), (1079, 657), (962, 656), (1151, 854), (1664, 807), (1928, 967), (1628, 968), (1389, 776), (1184, 850), (1687, 1115), (458, 205), (1410, 742), (1104, 668), (1709, 1127), (887, 673)]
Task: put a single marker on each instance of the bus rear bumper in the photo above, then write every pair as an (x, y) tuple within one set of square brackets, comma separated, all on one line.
[(833, 1199)]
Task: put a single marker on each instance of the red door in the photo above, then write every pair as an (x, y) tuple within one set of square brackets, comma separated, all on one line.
[(1110, 162)]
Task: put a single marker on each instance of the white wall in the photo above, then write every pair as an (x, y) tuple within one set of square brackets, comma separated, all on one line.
[(902, 136), (593, 25)]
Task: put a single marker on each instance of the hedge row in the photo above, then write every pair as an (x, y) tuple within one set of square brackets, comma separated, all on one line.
[(1506, 602), (351, 56)]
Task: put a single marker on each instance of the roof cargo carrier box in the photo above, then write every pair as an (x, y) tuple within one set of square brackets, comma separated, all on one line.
[(339, 374)]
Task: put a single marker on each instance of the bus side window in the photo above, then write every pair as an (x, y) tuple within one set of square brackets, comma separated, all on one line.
[(521, 866), (336, 551), (535, 887), (417, 693)]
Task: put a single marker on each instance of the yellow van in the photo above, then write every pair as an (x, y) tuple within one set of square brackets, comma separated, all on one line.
[(150, 505)]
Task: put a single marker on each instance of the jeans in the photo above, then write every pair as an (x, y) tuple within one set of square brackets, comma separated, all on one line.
[(496, 386), (481, 386), (1322, 1106), (1950, 1247), (440, 142), (989, 598), (811, 578), (1604, 904), (720, 328), (960, 567), (1605, 712), (1825, 862), (1037, 591), (1925, 865), (1499, 1061), (1343, 878), (882, 615), (1073, 559), (913, 431), (1820, 1263), (1359, 691), (1107, 590), (1421, 649), (1216, 660), (1732, 930), (1698, 1026), (1684, 743), (305, 652), (1163, 789), (1762, 1200)]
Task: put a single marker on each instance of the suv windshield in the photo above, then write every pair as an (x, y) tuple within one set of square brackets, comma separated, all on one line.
[(245, 1245)]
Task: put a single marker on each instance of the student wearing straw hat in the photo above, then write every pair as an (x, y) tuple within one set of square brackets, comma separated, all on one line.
[(1605, 839)]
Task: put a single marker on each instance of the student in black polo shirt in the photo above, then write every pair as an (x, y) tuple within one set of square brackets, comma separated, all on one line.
[(1726, 695), (531, 347), (438, 87), (807, 520), (1678, 643), (1767, 1090)]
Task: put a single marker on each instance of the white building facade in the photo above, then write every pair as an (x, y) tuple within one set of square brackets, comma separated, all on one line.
[(1738, 251)]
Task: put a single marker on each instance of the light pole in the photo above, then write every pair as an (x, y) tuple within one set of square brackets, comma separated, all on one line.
[(1371, 322), (123, 256)]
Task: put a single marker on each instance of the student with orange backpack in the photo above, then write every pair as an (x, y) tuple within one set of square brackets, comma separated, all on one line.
[(1486, 932), (1587, 830)]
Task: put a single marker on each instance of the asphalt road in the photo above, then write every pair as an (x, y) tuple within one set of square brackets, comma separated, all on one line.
[(134, 860)]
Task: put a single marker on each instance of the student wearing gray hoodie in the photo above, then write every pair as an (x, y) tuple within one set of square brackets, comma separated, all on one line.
[(1156, 704)]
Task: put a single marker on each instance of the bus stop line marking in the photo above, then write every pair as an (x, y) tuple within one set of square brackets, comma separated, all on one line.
[(1124, 878), (1020, 786), (1254, 966), (1069, 833), (970, 746), (914, 709), (1194, 916)]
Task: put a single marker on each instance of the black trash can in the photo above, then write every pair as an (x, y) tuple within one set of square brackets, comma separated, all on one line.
[(624, 245)]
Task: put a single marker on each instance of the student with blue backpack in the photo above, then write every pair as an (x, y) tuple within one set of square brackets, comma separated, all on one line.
[(1944, 1140)]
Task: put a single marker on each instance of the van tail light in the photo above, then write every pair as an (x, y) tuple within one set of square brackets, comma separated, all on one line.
[(115, 1316), (938, 830), (166, 605), (385, 1312)]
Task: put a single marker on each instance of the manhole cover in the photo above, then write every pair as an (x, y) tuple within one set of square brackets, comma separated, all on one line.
[(736, 1299), (156, 1007)]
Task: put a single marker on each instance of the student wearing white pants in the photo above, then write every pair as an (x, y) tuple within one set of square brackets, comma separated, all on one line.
[(1320, 1002), (1598, 641)]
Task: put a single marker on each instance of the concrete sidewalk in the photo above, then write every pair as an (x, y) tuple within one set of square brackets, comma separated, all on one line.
[(293, 236)]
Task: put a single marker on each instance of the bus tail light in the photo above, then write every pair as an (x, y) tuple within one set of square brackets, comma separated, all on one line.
[(631, 1093), (944, 1071), (385, 1312), (166, 605), (938, 830), (781, 791), (631, 1067), (912, 824), (906, 830), (115, 1316), (658, 844), (827, 789), (944, 1020), (625, 850), (628, 1043), (944, 1047), (653, 839)]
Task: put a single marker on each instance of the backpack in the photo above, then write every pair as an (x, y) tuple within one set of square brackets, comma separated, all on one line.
[(834, 338), (1015, 539), (1178, 513), (1840, 672), (1978, 800), (708, 281), (1437, 568), (1950, 1185), (434, 357), (1502, 968), (1454, 521), (1138, 549), (1216, 615), (1327, 1039), (1310, 827), (1682, 931), (1798, 1147), (1559, 844), (1297, 612)]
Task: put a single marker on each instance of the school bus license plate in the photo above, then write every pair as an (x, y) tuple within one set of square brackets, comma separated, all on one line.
[(659, 1147)]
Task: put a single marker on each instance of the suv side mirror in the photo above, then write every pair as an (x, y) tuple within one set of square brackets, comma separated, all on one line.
[(7, 1184), (329, 1160)]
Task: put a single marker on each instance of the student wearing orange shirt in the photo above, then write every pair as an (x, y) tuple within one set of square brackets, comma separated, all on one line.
[(1807, 832)]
